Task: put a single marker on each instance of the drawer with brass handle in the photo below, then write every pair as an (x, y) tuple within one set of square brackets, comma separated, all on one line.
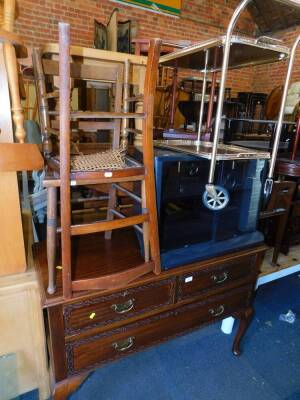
[(217, 312), (90, 352), (124, 345), (220, 278), (122, 308), (106, 309), (217, 276)]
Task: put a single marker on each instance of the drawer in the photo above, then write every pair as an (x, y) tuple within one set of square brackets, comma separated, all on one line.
[(195, 283), (91, 352), (104, 310)]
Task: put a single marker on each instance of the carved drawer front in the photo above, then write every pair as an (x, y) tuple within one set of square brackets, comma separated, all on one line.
[(88, 353), (212, 278), (103, 310)]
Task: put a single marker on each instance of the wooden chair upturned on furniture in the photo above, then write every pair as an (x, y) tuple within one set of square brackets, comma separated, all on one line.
[(278, 207), (46, 72), (68, 175)]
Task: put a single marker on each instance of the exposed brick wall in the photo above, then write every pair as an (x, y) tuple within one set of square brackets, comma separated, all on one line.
[(270, 76), (200, 19)]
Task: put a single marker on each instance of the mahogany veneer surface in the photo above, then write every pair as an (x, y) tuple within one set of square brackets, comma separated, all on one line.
[(94, 256), (95, 327), (90, 352)]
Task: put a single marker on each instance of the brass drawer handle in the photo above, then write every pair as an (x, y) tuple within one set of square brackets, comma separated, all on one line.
[(220, 278), (124, 345), (123, 307), (217, 312)]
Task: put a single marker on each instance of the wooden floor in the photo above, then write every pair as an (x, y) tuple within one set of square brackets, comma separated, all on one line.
[(293, 258)]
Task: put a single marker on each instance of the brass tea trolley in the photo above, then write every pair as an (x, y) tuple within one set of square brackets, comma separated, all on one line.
[(221, 54)]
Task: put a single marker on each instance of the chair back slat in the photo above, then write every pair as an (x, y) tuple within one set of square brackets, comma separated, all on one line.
[(108, 73), (103, 72)]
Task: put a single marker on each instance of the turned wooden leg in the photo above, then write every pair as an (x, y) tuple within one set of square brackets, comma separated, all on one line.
[(51, 236), (146, 238), (65, 388), (112, 202), (245, 320)]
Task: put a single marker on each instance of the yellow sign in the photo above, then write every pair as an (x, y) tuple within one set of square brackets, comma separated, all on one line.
[(165, 6)]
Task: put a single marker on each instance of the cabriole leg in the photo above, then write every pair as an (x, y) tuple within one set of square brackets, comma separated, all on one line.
[(245, 320)]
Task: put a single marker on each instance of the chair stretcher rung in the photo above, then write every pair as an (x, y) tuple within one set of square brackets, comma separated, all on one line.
[(87, 126), (52, 95), (277, 212), (52, 131), (138, 97), (101, 115), (135, 131), (130, 194), (122, 216), (103, 226)]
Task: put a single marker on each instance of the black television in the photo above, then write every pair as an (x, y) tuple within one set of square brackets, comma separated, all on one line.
[(188, 231)]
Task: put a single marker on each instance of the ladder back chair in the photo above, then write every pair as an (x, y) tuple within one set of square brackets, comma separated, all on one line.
[(46, 74), (131, 171), (278, 207)]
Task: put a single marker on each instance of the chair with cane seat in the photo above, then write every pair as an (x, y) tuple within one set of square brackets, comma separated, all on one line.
[(77, 170)]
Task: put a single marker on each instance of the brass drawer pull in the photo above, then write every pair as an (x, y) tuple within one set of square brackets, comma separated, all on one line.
[(220, 278), (124, 345), (217, 312), (123, 307)]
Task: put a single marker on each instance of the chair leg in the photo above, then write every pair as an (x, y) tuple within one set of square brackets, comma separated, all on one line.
[(146, 241), (51, 236), (279, 236), (112, 203), (146, 238)]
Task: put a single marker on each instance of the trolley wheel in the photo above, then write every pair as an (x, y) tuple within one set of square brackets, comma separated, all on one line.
[(216, 201)]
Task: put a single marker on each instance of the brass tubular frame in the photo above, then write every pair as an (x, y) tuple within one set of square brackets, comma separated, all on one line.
[(203, 97), (210, 185)]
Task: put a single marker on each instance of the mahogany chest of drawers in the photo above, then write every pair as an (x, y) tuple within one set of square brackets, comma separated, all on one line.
[(99, 327)]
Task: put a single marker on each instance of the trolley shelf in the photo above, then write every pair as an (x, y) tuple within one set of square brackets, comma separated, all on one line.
[(243, 52), (203, 150)]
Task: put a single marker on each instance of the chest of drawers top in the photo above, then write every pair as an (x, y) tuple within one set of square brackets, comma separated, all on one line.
[(177, 283)]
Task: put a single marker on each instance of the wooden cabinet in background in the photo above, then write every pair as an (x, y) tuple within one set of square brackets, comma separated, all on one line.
[(22, 334)]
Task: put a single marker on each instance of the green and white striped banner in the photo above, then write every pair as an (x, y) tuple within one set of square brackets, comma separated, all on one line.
[(164, 6)]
